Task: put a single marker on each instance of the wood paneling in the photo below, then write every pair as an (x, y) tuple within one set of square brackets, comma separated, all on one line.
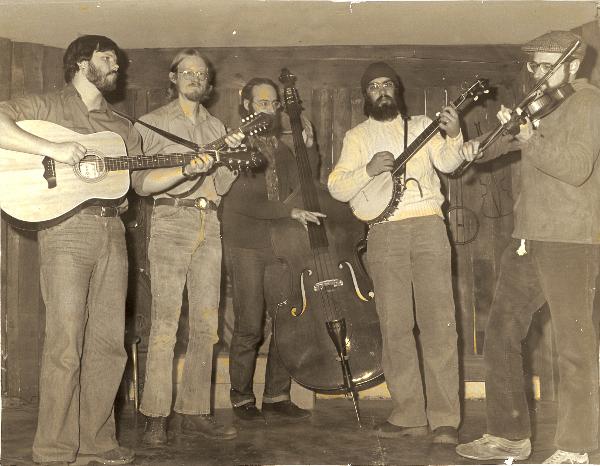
[(328, 84)]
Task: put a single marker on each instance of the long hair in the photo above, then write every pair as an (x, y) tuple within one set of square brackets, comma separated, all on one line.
[(82, 49), (246, 92), (181, 55)]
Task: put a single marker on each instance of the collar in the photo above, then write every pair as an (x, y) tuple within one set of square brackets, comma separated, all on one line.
[(70, 92), (174, 110)]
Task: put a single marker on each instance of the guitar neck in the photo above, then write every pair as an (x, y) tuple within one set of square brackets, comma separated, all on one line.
[(417, 144), (141, 162)]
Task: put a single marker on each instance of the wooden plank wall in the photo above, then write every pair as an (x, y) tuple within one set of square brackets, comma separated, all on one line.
[(328, 79), (24, 69)]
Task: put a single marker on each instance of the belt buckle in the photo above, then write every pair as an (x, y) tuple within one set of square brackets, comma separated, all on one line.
[(201, 203)]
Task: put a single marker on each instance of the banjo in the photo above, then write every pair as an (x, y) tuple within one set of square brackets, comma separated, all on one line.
[(378, 200)]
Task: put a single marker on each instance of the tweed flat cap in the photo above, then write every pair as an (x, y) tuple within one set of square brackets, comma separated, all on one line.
[(555, 42)]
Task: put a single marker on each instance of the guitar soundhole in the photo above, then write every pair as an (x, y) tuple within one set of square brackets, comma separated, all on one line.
[(92, 167)]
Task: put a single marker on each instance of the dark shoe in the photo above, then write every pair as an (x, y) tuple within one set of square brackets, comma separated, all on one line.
[(446, 435), (284, 409), (490, 447), (119, 455), (155, 432), (248, 412), (388, 430), (207, 426)]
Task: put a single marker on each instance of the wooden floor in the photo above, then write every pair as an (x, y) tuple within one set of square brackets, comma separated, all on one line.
[(330, 436)]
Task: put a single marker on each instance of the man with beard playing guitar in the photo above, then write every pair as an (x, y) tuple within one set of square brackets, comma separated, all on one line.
[(83, 268), (409, 253)]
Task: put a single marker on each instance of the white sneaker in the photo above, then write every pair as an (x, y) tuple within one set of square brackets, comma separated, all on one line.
[(567, 457), (490, 447)]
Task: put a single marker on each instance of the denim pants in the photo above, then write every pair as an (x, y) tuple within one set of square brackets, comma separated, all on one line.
[(564, 275), (83, 277), (185, 246), (411, 258), (247, 269)]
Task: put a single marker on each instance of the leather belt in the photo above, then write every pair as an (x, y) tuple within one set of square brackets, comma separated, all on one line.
[(200, 203), (103, 211)]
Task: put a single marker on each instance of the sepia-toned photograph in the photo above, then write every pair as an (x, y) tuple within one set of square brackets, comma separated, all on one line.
[(299, 232)]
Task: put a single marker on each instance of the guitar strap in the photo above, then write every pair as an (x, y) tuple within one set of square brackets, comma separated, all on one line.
[(172, 137), (402, 174)]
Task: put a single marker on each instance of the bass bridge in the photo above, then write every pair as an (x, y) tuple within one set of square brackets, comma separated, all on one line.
[(328, 285)]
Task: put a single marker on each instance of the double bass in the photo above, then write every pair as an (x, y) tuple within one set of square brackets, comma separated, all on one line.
[(327, 331)]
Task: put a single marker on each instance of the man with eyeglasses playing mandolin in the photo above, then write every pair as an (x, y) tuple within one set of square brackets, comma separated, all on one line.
[(83, 268), (185, 248), (553, 258), (408, 255)]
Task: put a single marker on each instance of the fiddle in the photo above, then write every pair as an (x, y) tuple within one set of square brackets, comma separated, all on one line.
[(539, 103), (539, 107)]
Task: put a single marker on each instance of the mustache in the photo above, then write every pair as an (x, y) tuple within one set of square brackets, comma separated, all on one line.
[(382, 97)]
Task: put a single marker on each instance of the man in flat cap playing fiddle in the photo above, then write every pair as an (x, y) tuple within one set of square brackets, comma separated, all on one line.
[(554, 258)]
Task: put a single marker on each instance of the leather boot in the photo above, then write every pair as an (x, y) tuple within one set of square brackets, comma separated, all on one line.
[(207, 426), (155, 432)]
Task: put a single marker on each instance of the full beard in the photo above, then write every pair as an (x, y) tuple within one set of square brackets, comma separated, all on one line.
[(195, 94), (274, 128), (105, 82), (385, 108)]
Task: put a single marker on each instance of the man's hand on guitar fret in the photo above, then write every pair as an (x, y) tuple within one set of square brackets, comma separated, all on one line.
[(381, 162), (235, 139), (66, 152), (200, 164)]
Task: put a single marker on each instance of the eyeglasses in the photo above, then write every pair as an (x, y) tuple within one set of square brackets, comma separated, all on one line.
[(265, 104), (532, 66), (189, 75), (384, 85)]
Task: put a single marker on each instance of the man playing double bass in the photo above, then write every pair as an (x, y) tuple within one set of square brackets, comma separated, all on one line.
[(409, 253), (250, 208), (553, 258)]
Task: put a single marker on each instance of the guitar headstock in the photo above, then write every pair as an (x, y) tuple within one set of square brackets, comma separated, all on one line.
[(241, 158), (472, 92), (256, 123)]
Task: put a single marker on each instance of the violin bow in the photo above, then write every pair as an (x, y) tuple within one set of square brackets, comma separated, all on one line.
[(516, 114)]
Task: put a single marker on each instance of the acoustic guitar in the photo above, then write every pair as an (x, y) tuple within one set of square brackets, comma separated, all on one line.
[(38, 189)]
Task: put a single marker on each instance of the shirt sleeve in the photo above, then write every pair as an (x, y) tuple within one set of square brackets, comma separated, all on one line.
[(150, 142), (444, 152), (571, 153), (31, 107), (349, 175)]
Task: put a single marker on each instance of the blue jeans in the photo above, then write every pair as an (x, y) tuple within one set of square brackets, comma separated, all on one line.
[(185, 246), (411, 259), (250, 291), (564, 275), (83, 277)]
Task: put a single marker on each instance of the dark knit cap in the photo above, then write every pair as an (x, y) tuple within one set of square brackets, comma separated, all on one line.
[(378, 70), (555, 42)]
